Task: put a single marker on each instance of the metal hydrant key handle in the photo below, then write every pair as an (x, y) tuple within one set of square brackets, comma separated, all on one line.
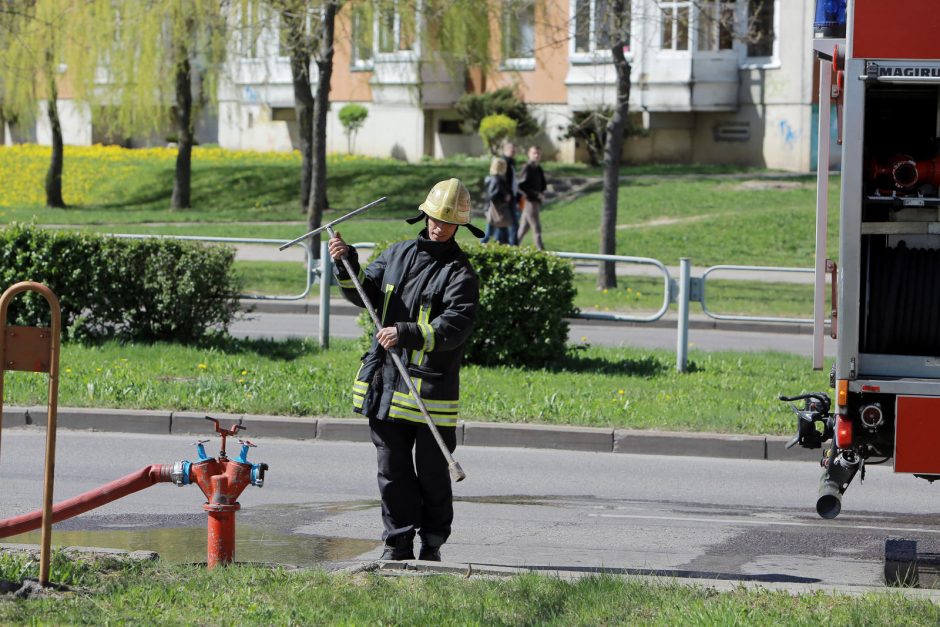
[(330, 225), (456, 472)]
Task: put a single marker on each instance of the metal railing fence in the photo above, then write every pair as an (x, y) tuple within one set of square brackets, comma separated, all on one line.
[(682, 291)]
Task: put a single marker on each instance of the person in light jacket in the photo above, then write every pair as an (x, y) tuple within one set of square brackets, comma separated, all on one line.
[(498, 193)]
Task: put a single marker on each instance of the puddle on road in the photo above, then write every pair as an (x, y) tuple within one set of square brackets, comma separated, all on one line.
[(188, 544)]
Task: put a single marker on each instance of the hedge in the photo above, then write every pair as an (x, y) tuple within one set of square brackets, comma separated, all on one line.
[(146, 290), (525, 297)]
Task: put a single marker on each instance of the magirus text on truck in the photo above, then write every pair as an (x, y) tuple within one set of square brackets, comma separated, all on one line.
[(880, 68)]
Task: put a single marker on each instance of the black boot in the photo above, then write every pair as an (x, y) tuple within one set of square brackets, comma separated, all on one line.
[(399, 548), (430, 553)]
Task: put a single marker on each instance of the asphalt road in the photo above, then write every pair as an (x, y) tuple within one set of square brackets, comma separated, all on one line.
[(283, 326), (677, 517)]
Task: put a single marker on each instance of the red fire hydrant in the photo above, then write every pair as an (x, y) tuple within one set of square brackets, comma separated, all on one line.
[(222, 480)]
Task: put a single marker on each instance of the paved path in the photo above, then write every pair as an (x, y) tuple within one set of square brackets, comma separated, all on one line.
[(704, 334), (570, 512)]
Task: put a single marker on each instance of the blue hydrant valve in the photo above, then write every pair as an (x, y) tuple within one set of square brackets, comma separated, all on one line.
[(201, 449), (243, 455)]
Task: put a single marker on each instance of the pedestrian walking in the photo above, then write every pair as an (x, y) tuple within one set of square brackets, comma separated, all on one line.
[(509, 156), (496, 197), (430, 295), (532, 187)]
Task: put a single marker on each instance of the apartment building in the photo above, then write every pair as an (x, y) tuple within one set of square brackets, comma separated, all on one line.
[(711, 82)]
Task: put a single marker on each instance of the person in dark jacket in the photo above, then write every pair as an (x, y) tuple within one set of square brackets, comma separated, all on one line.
[(426, 295), (512, 181), (497, 192), (532, 186)]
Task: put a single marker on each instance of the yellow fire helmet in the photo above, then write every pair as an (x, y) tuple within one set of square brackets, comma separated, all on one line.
[(448, 201)]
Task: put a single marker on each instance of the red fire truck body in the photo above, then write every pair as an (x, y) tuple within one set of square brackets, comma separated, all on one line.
[(884, 78)]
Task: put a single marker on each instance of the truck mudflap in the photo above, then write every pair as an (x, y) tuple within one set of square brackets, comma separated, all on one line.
[(917, 435)]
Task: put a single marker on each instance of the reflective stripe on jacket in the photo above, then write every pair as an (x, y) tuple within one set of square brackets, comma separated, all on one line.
[(429, 291)]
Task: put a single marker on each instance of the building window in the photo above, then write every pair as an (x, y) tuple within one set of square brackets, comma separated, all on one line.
[(760, 26), (361, 35), (716, 25), (519, 30), (251, 32), (396, 27), (675, 33), (594, 22)]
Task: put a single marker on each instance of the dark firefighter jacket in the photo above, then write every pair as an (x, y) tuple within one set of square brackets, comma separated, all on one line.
[(429, 291)]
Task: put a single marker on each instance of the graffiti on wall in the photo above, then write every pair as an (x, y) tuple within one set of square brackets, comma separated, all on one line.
[(788, 134)]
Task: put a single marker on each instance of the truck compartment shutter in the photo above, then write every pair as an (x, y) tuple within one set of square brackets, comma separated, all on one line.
[(902, 299)]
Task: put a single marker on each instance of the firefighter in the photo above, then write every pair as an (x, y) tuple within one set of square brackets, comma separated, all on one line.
[(426, 295)]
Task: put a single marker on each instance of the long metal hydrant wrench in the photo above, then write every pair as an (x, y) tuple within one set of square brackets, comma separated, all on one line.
[(456, 472)]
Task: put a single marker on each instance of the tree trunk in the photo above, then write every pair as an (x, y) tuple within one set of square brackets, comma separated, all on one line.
[(606, 276), (184, 130), (54, 174), (320, 107), (303, 98)]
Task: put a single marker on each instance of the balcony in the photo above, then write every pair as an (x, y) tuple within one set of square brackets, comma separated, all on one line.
[(663, 81), (402, 78)]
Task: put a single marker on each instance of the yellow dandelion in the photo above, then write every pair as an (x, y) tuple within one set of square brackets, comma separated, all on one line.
[(202, 366), (68, 370), (620, 392)]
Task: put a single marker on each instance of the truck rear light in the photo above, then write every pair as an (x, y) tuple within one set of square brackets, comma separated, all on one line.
[(843, 432), (842, 392)]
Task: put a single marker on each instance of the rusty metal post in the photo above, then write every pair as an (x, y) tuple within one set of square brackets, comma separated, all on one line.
[(35, 349)]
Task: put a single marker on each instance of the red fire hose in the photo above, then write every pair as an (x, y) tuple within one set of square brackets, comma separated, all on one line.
[(119, 488)]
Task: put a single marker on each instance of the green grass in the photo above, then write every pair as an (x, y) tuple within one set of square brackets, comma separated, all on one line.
[(64, 567), (711, 220), (274, 278), (711, 214), (589, 386), (107, 185), (259, 596)]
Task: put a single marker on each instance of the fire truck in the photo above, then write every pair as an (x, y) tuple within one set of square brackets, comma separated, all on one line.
[(879, 66)]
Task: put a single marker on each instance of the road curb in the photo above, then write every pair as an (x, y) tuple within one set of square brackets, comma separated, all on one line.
[(328, 429), (140, 421), (703, 444), (538, 436)]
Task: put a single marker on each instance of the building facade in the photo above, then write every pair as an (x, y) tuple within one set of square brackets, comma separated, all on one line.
[(711, 82)]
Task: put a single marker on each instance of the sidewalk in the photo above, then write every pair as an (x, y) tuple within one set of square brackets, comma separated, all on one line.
[(469, 433)]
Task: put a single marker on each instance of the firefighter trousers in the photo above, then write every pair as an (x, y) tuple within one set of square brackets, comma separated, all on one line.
[(415, 488)]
